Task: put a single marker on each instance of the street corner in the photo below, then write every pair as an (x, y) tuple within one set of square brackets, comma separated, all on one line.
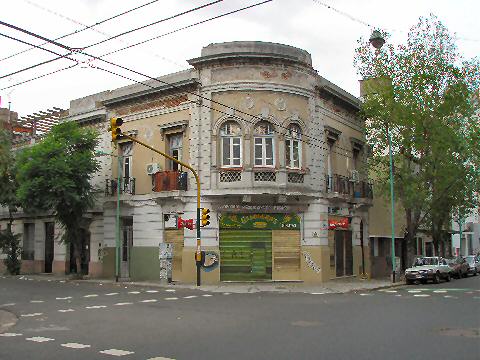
[(7, 320)]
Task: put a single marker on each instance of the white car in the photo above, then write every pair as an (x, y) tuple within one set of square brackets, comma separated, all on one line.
[(473, 264), (428, 268)]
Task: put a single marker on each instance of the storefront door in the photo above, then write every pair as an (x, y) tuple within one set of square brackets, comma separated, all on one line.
[(343, 253), (127, 243)]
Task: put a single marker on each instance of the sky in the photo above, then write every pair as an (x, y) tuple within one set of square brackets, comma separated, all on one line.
[(327, 29)]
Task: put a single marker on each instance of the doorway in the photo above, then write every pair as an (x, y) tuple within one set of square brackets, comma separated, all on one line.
[(84, 254), (49, 246), (343, 253), (126, 246)]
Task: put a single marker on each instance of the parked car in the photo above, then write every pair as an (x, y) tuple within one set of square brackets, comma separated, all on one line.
[(458, 267), (428, 268), (473, 264)]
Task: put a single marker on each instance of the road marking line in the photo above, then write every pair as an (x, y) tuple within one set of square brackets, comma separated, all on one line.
[(10, 334), (398, 295), (421, 295), (366, 294), (39, 339), (160, 358), (62, 281), (190, 297), (116, 352), (36, 301), (31, 315), (207, 295), (151, 291), (314, 293), (170, 290), (134, 292), (390, 291), (111, 294), (149, 301), (96, 307), (171, 298), (124, 303), (439, 291), (9, 304), (75, 345), (90, 296), (65, 310), (450, 297), (227, 293), (414, 291), (63, 298)]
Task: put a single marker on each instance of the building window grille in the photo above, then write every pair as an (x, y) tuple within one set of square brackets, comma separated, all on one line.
[(264, 145), (28, 248), (230, 176), (265, 176), (293, 147), (231, 144), (295, 178)]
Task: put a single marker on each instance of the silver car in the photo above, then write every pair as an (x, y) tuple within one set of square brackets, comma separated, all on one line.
[(473, 264)]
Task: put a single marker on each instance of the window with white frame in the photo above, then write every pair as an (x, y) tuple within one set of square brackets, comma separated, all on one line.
[(175, 145), (293, 147), (126, 151), (263, 136), (231, 144)]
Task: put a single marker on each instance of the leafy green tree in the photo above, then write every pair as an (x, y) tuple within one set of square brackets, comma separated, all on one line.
[(9, 242), (54, 175), (425, 96)]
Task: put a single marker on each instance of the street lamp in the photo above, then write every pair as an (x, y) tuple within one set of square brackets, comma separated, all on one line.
[(377, 41), (117, 213)]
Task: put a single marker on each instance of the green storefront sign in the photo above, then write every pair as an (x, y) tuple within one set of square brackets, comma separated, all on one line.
[(260, 221)]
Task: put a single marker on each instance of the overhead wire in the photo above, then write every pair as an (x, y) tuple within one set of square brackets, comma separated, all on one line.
[(174, 86), (54, 41), (86, 27)]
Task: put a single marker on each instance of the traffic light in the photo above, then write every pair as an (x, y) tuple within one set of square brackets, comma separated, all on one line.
[(205, 217), (115, 124)]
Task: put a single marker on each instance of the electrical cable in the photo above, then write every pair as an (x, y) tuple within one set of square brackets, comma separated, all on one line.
[(54, 42), (86, 27)]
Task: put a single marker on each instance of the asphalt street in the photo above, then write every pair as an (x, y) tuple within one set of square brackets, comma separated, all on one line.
[(72, 320)]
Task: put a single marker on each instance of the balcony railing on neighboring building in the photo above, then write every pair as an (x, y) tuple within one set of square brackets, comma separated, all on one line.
[(344, 185), (170, 180), (127, 186)]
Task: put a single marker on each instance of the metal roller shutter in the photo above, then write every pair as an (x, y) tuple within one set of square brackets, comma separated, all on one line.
[(245, 255)]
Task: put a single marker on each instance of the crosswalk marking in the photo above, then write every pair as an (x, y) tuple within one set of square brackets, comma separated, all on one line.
[(207, 295), (116, 352), (171, 298), (190, 297), (75, 345), (90, 295), (421, 295), (96, 307), (170, 290), (123, 303), (36, 301), (39, 339), (10, 334), (149, 301), (31, 315), (151, 291), (65, 310), (111, 294), (134, 292), (63, 298)]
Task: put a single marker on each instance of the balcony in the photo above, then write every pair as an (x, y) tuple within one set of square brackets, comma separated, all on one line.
[(127, 186), (343, 187), (170, 180)]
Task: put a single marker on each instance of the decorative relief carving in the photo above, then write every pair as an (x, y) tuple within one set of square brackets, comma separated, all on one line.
[(265, 112), (249, 102), (281, 104), (286, 75)]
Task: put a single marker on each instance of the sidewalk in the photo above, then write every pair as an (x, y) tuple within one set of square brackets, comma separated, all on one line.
[(337, 286)]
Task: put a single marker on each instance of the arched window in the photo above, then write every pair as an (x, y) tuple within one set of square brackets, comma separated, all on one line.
[(231, 144), (293, 147), (263, 144)]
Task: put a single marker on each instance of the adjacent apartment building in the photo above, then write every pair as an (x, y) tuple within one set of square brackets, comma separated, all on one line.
[(280, 152)]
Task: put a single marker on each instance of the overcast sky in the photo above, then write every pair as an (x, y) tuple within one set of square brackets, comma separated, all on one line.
[(329, 34)]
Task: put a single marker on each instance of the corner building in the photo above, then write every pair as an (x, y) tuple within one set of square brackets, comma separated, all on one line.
[(279, 151)]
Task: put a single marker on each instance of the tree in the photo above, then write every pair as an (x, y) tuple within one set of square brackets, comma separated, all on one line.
[(54, 175), (425, 96), (9, 242)]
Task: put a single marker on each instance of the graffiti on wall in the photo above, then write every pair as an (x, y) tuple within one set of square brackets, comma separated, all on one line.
[(311, 264), (210, 261)]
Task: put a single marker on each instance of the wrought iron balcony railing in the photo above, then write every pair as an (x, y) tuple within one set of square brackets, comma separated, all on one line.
[(344, 185), (127, 186)]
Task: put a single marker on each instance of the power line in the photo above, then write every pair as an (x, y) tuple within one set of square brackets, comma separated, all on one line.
[(174, 86), (39, 77), (153, 23), (78, 50), (86, 27)]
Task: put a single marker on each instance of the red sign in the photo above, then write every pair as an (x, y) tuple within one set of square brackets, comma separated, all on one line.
[(188, 223), (338, 224)]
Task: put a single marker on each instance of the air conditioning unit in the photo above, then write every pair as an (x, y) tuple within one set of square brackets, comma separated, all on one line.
[(153, 168), (354, 176)]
